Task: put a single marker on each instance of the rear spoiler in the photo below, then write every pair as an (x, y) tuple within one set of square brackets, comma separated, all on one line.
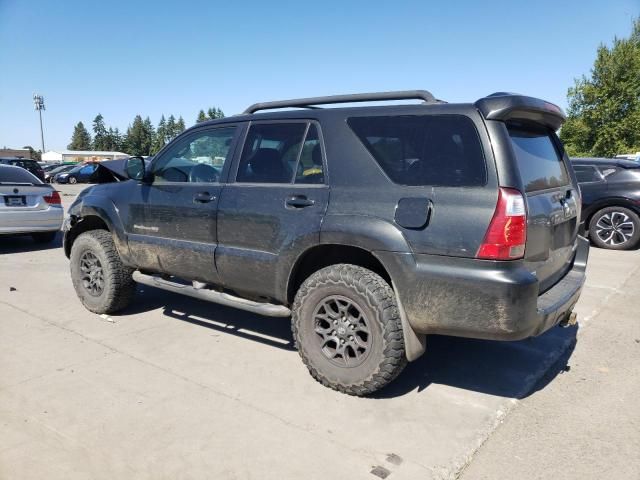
[(510, 106)]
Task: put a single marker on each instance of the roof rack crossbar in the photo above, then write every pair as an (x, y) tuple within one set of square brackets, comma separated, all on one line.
[(350, 98)]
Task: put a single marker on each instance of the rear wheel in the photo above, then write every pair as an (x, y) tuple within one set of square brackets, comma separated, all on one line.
[(44, 237), (347, 328), (103, 284), (615, 228)]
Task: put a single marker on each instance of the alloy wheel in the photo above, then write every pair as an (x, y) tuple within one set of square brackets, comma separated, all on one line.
[(615, 228)]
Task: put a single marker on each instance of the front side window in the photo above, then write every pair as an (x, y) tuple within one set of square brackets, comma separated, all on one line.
[(440, 150), (196, 158), (271, 152)]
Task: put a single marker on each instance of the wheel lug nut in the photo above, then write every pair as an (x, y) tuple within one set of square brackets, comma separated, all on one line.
[(333, 333), (335, 322)]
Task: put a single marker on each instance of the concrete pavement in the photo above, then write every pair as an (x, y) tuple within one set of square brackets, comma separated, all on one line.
[(178, 388)]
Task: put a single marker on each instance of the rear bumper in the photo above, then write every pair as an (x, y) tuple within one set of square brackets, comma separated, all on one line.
[(32, 221), (481, 299)]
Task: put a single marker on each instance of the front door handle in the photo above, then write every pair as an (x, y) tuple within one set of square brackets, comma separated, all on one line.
[(299, 201), (203, 197)]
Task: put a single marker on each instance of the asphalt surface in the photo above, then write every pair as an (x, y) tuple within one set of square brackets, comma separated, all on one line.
[(178, 388)]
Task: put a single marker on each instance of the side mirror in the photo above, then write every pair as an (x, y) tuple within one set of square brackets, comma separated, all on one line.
[(134, 168)]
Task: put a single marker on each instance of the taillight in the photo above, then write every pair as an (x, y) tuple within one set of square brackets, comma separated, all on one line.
[(53, 199), (507, 233)]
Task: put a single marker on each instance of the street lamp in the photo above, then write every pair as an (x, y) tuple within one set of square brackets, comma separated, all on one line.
[(38, 102)]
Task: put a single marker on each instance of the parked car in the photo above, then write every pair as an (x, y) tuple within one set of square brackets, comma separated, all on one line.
[(30, 165), (47, 167), (610, 200), (79, 174), (50, 174), (371, 227), (28, 206)]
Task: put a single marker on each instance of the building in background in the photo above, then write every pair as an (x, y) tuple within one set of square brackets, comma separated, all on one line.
[(56, 156), (15, 152)]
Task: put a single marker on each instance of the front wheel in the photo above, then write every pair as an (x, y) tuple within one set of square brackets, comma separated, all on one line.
[(347, 328), (615, 228), (103, 284), (73, 180)]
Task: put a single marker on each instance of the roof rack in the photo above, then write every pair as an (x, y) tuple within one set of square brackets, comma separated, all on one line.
[(350, 98)]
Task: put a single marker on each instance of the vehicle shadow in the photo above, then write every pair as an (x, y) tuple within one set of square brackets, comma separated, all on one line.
[(506, 369), (24, 243)]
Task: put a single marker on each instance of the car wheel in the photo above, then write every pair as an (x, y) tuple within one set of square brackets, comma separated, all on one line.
[(44, 237), (73, 180), (347, 329), (615, 228), (103, 284)]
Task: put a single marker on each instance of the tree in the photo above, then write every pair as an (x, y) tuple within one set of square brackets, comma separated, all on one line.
[(161, 136), (201, 116), (100, 140), (604, 110), (81, 140), (171, 128), (214, 113), (149, 136), (137, 138), (34, 154), (180, 127)]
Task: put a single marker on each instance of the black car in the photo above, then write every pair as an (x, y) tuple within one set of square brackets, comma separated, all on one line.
[(610, 200), (30, 165), (82, 173), (371, 226)]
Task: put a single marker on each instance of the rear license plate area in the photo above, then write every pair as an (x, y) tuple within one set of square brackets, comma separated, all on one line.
[(15, 201)]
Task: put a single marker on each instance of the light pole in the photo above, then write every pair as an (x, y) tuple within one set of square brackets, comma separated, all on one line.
[(38, 102)]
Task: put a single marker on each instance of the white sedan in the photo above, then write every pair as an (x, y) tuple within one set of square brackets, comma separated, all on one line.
[(28, 206)]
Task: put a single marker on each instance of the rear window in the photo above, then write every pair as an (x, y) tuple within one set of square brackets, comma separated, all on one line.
[(440, 150), (17, 175), (539, 162)]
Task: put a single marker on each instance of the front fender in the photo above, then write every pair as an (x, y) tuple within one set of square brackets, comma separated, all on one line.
[(102, 208)]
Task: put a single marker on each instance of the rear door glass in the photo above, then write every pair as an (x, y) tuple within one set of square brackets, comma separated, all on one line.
[(540, 164), (440, 150)]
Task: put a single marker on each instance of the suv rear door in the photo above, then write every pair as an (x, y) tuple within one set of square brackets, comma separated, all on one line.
[(553, 201), (274, 208)]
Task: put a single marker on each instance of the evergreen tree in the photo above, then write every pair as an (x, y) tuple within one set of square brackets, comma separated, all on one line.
[(100, 140), (161, 136), (201, 116), (214, 113), (604, 109), (117, 140), (180, 127), (171, 128), (149, 136), (137, 138), (80, 140)]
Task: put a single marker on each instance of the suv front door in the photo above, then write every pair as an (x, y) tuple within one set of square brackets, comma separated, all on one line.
[(171, 224), (274, 209)]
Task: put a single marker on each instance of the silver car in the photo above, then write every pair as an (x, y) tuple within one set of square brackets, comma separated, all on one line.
[(28, 206)]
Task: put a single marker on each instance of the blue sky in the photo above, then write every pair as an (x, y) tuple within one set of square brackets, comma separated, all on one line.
[(121, 58)]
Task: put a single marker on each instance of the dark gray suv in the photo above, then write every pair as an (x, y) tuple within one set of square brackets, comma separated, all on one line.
[(369, 226)]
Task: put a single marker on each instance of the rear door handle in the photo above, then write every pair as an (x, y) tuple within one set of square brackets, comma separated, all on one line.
[(203, 197), (299, 201)]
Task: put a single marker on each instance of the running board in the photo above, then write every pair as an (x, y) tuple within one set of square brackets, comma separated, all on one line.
[(268, 309)]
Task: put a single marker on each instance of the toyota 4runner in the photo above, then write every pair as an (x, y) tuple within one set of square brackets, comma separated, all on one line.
[(369, 226)]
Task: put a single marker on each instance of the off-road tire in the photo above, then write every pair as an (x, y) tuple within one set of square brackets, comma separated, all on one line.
[(632, 217), (375, 298), (119, 287), (44, 237)]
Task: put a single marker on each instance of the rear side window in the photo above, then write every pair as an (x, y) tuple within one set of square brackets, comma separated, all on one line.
[(17, 175), (424, 149), (539, 161), (587, 173), (271, 152)]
